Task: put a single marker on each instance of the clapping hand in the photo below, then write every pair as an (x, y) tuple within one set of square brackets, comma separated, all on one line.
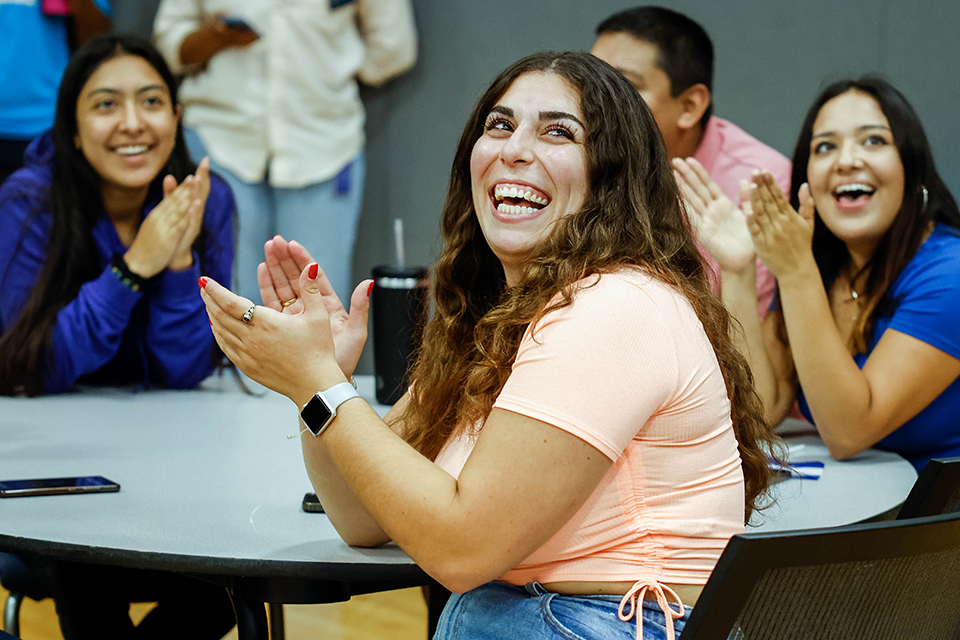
[(719, 224), (167, 233), (183, 254), (279, 278), (283, 352), (782, 235)]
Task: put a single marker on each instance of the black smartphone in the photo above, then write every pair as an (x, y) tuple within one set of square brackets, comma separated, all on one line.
[(234, 22), (311, 504), (56, 486)]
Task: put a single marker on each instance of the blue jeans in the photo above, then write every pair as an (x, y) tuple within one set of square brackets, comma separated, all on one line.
[(498, 611), (322, 217)]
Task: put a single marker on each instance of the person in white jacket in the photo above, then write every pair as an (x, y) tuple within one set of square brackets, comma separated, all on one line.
[(271, 95)]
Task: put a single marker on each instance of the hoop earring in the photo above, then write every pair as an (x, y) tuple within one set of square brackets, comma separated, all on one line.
[(926, 196)]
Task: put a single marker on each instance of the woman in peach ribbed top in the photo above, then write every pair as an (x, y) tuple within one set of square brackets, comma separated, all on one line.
[(581, 423)]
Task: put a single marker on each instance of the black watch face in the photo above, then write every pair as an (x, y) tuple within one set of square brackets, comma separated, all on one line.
[(316, 414)]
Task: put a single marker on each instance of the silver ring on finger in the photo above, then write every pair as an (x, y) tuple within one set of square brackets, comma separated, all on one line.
[(248, 314)]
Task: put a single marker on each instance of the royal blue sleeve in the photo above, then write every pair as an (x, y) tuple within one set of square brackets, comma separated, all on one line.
[(927, 295), (88, 330), (179, 341)]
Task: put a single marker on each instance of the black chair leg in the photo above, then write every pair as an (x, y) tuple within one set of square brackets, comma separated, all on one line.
[(11, 614), (276, 621), (251, 619)]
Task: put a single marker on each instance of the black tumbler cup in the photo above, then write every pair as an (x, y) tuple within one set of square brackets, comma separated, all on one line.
[(399, 312)]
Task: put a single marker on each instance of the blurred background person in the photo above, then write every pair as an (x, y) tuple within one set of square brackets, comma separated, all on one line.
[(36, 37), (668, 58), (271, 94)]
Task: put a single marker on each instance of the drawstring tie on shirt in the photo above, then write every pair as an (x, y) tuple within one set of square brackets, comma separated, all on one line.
[(635, 597)]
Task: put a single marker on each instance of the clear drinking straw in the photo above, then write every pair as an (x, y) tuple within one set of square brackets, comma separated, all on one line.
[(398, 241)]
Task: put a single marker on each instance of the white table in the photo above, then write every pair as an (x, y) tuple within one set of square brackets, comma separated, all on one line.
[(867, 486), (210, 485)]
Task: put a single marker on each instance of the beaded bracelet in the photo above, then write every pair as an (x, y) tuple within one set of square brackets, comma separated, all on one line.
[(129, 279)]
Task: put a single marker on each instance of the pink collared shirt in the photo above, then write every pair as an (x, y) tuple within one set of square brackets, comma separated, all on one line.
[(730, 154)]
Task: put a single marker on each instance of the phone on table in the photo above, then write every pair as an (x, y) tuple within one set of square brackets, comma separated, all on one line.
[(311, 504), (237, 23), (56, 486)]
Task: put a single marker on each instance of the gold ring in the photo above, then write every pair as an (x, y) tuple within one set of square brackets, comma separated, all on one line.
[(289, 302), (248, 314)]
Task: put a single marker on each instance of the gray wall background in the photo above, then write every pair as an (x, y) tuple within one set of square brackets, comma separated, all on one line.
[(772, 56)]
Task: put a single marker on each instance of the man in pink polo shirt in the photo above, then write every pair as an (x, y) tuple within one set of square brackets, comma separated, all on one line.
[(669, 59)]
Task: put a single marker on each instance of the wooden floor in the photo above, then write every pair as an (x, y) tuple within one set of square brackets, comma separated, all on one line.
[(395, 615)]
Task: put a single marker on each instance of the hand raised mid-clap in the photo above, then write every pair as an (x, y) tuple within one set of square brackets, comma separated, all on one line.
[(782, 235), (719, 224), (166, 235), (281, 349)]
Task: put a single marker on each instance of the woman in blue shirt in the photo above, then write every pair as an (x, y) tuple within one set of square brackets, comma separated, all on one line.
[(867, 258), (105, 232)]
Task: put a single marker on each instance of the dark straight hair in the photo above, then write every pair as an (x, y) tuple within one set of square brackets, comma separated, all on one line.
[(75, 203), (685, 49), (917, 212)]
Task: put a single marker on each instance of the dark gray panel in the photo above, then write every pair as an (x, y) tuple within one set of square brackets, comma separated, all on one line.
[(134, 16), (922, 58)]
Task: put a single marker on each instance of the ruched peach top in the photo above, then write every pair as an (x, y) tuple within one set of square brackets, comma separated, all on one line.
[(628, 368)]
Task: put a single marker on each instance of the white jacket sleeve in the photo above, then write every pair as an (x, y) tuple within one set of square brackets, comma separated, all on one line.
[(390, 35)]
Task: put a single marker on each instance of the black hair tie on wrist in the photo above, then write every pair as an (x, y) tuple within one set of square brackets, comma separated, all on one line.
[(129, 279)]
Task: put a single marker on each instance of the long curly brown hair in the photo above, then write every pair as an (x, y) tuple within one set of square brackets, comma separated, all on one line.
[(632, 217)]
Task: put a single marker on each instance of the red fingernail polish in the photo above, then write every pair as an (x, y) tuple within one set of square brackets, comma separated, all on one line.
[(370, 289), (210, 321), (314, 269), (202, 282)]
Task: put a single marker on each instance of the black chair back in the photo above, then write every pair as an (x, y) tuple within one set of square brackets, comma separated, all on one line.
[(936, 491), (878, 581)]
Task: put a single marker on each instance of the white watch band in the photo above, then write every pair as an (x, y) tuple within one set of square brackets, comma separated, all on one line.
[(338, 394)]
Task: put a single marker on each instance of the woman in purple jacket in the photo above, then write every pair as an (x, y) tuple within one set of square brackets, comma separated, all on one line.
[(104, 233)]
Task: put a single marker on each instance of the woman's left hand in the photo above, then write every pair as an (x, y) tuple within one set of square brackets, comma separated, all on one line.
[(200, 187), (286, 353), (782, 235)]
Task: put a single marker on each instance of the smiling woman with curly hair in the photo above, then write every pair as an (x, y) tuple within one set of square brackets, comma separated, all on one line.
[(578, 420)]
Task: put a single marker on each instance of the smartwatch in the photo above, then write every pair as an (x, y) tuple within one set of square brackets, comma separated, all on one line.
[(322, 408)]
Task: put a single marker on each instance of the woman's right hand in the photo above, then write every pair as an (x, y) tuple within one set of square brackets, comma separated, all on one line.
[(783, 235), (210, 38), (719, 224), (161, 232), (279, 280)]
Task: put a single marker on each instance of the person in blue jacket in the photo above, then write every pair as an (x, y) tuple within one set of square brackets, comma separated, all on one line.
[(104, 233)]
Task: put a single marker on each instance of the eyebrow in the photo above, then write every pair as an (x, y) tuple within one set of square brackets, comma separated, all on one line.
[(543, 115), (860, 129), (108, 90)]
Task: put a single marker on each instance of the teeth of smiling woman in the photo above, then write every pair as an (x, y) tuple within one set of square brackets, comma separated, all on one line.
[(512, 210), (850, 188), (132, 150), (512, 192)]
